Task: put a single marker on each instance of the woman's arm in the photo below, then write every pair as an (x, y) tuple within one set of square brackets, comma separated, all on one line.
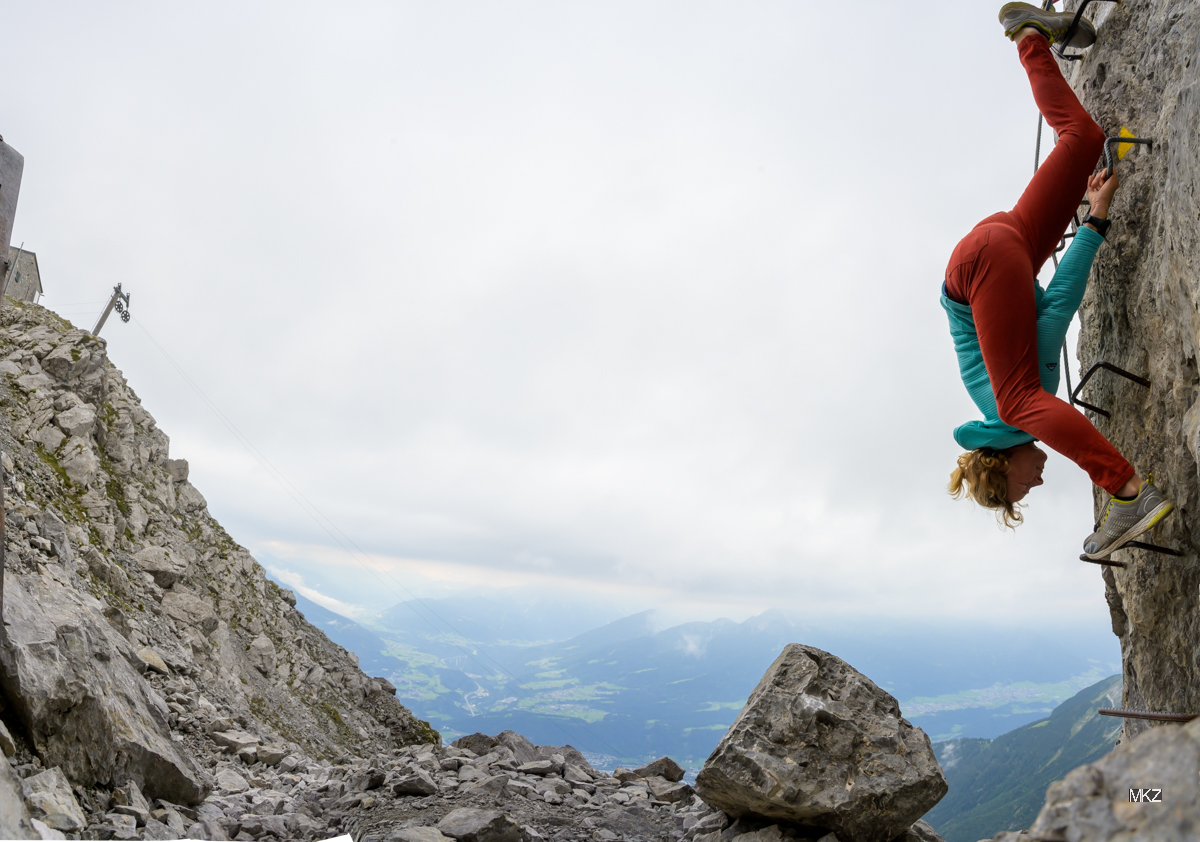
[(1066, 290)]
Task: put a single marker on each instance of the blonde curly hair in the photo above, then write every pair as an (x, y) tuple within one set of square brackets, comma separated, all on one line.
[(982, 476)]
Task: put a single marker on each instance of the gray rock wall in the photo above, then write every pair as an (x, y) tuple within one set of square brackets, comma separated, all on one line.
[(14, 818), (120, 581), (1143, 791), (1142, 312)]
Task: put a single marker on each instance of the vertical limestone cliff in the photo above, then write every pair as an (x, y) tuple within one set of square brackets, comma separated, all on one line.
[(1142, 313), (139, 640)]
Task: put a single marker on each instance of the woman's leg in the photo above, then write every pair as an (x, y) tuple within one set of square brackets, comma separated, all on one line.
[(998, 284), (994, 266), (1053, 195)]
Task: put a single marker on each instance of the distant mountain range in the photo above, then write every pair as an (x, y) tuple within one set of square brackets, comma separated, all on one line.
[(1001, 784), (628, 690)]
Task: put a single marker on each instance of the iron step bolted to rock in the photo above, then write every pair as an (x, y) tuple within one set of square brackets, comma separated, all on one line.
[(1123, 139), (1061, 51), (1076, 401), (1106, 366), (1157, 716), (1139, 545)]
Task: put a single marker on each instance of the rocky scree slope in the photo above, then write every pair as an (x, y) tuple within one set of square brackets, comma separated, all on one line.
[(818, 753), (1142, 313), (136, 632), (504, 789)]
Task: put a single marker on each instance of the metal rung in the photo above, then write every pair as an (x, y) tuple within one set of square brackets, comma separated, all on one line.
[(1160, 716), (1141, 381), (1138, 545), (1154, 548), (1106, 562), (1061, 52), (1108, 142)]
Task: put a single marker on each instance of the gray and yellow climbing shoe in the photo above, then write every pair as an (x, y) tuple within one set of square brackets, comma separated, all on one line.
[(1054, 25), (1124, 520)]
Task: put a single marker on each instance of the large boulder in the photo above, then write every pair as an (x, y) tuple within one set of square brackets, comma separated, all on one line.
[(166, 567), (664, 767), (414, 781), (669, 791), (262, 655), (188, 498), (79, 461), (478, 743), (55, 531), (77, 421), (818, 744), (523, 750), (73, 682), (49, 796), (79, 363)]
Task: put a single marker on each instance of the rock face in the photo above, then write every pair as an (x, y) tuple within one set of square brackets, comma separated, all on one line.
[(59, 654), (1142, 313), (49, 795), (1093, 803), (14, 818), (818, 744), (134, 626)]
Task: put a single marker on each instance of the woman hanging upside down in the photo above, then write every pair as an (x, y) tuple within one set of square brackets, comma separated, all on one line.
[(1007, 330)]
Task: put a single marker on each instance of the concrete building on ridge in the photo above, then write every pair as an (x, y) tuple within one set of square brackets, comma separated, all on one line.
[(24, 282)]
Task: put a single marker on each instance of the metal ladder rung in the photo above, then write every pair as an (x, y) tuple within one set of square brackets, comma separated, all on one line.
[(1108, 142), (1061, 52), (1075, 401), (1160, 716), (1137, 545)]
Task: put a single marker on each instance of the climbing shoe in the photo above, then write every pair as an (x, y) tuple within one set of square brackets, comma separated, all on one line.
[(1054, 25), (1124, 520)]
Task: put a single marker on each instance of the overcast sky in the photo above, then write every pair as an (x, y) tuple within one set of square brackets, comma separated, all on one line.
[(635, 300)]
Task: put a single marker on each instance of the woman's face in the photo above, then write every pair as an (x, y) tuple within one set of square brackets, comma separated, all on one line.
[(1025, 465)]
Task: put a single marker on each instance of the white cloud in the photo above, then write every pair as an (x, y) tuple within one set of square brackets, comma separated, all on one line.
[(296, 581)]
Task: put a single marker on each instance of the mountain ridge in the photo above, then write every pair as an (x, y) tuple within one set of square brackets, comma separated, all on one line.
[(681, 685), (999, 785)]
